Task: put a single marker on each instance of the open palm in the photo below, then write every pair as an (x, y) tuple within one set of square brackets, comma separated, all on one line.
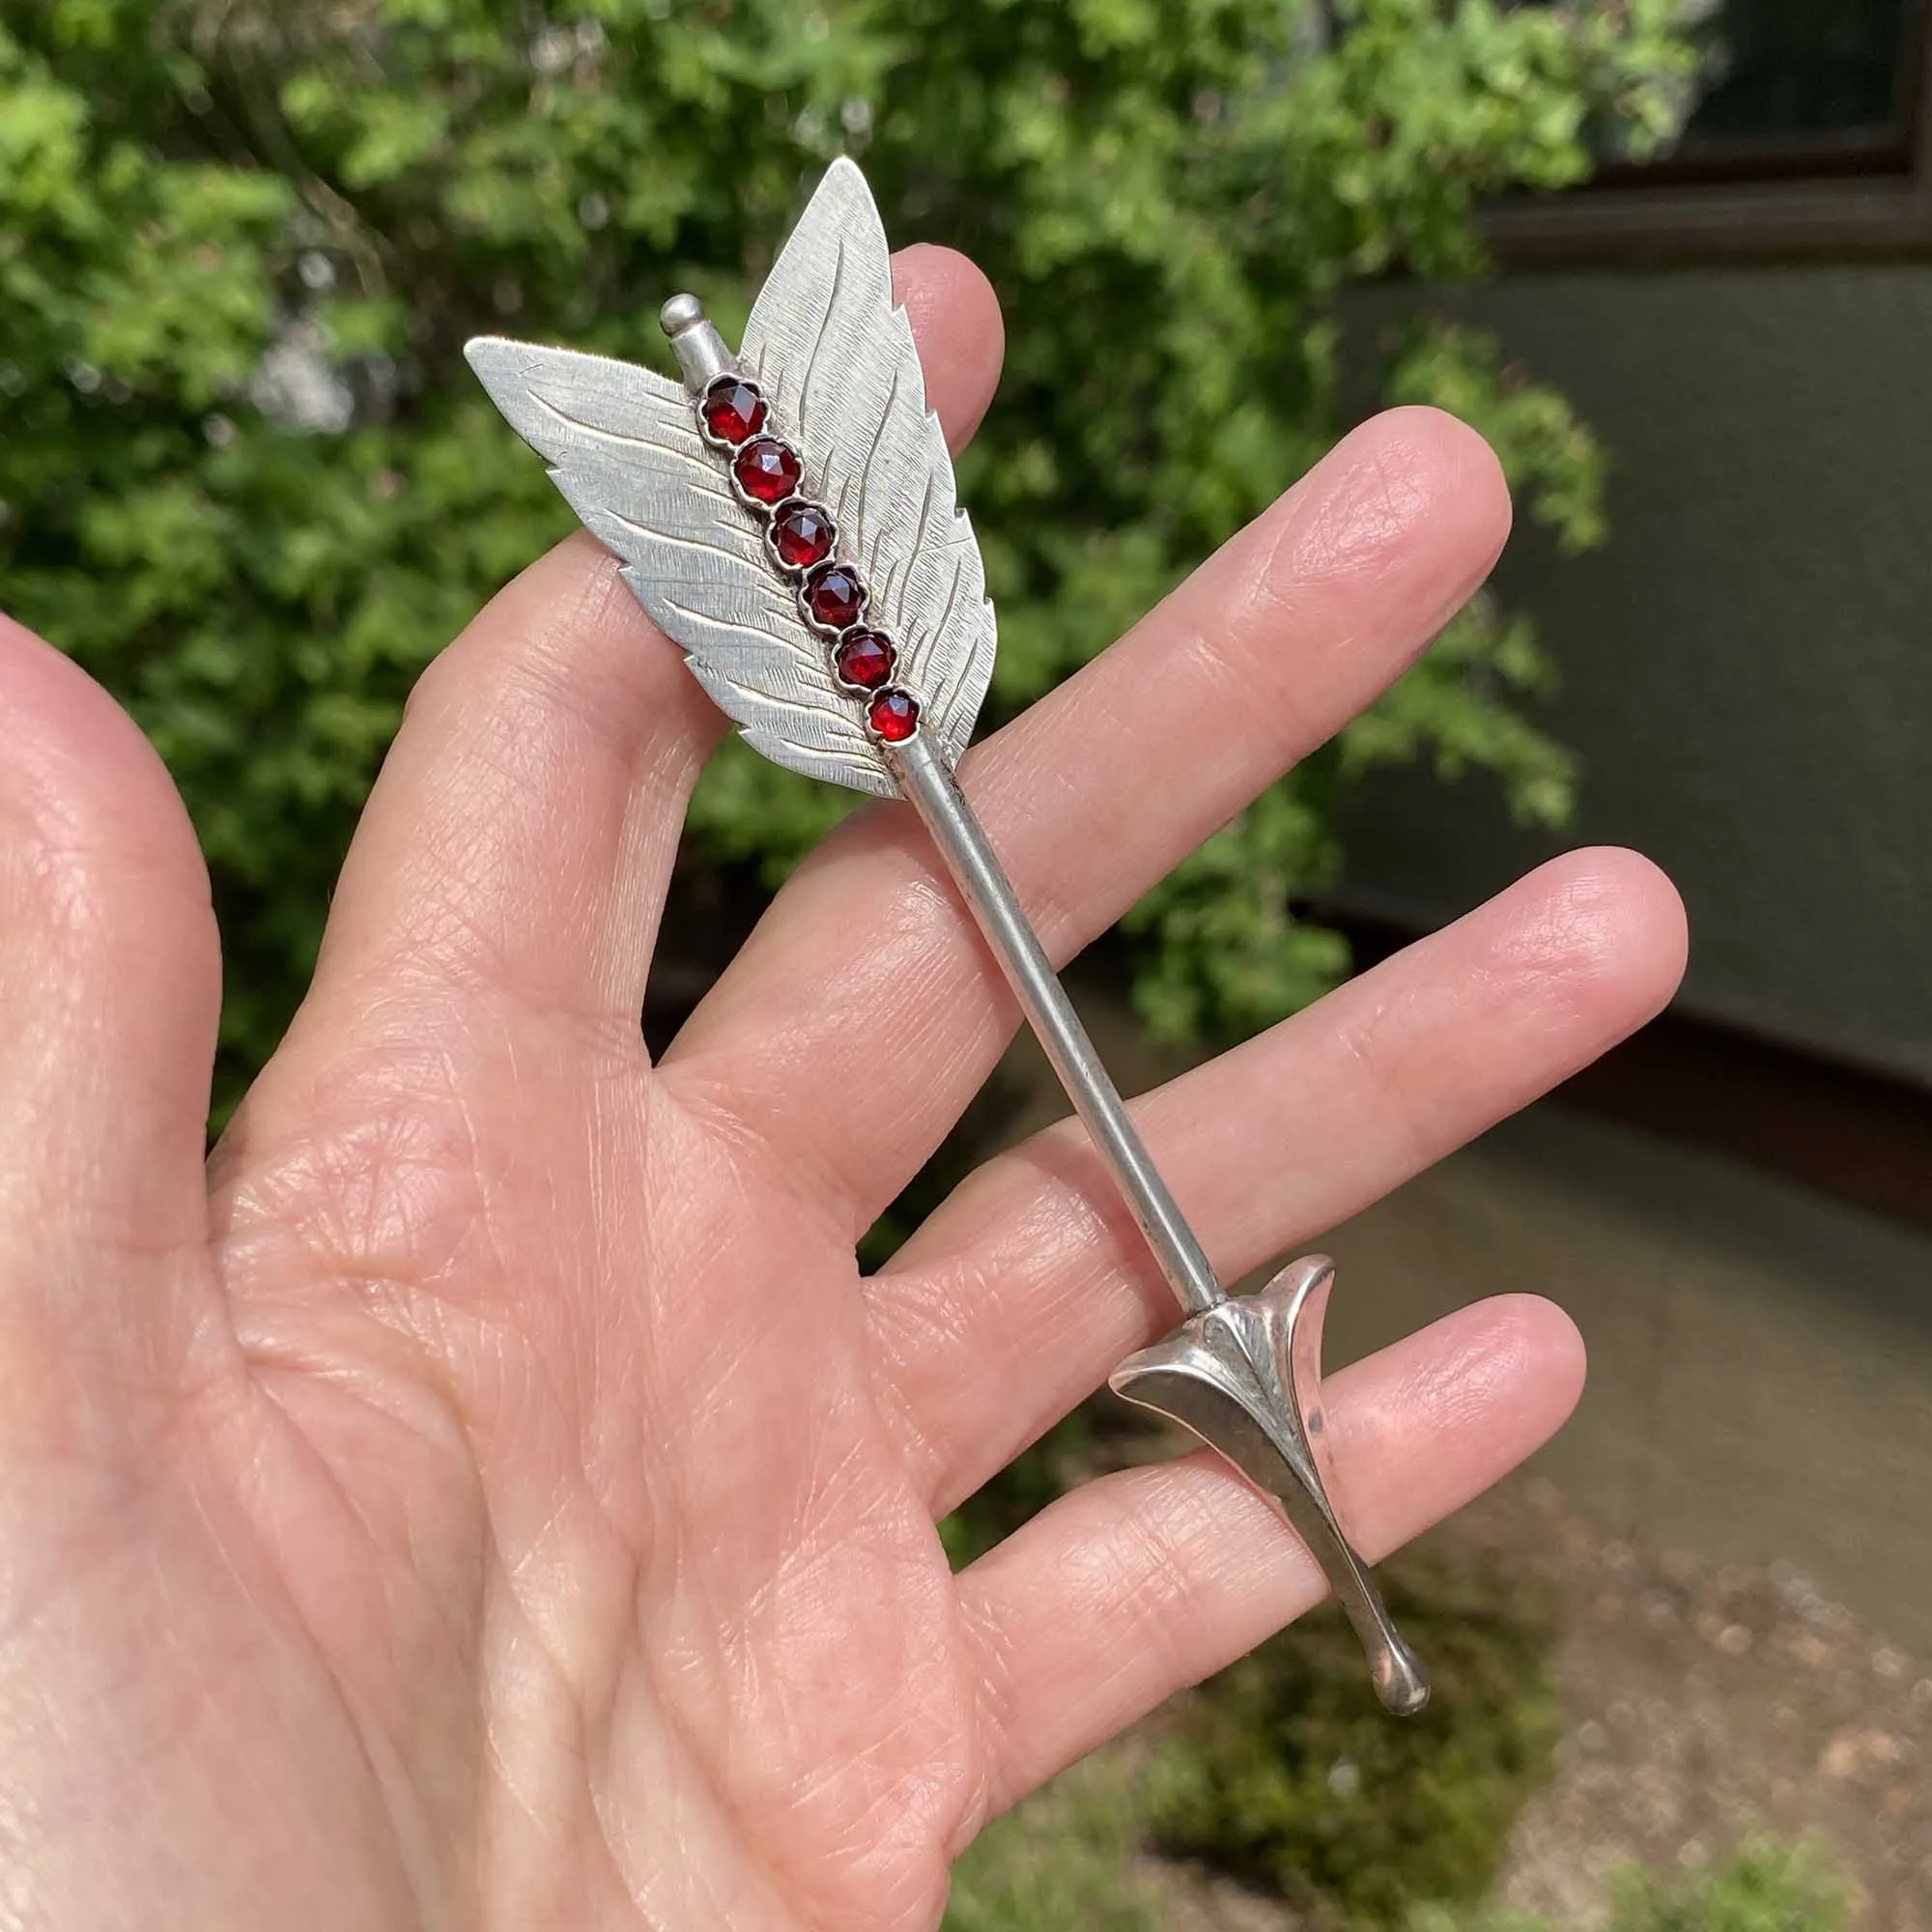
[(493, 1497)]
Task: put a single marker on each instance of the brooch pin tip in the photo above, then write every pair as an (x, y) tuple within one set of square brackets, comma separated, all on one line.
[(680, 313), (700, 350)]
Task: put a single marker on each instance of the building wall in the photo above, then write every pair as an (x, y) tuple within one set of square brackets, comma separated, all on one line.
[(1747, 665)]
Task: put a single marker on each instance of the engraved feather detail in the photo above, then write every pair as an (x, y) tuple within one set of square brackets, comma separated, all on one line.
[(624, 449), (837, 364), (837, 360)]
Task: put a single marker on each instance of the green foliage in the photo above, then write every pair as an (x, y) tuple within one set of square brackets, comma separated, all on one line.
[(1054, 1465), (1289, 1775), (1071, 1856), (1060, 1859), (246, 477), (1766, 1887)]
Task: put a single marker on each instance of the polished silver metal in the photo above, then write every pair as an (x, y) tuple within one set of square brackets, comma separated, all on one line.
[(700, 350), (1245, 1376), (995, 907), (835, 361)]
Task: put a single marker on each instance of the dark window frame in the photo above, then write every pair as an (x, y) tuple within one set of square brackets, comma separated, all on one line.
[(1864, 194)]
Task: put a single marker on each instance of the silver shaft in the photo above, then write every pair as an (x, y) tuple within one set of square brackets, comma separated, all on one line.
[(1269, 1431), (990, 896)]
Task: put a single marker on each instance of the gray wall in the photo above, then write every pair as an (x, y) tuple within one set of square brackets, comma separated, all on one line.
[(1748, 665)]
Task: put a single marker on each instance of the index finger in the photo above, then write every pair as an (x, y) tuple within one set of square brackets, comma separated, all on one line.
[(504, 887)]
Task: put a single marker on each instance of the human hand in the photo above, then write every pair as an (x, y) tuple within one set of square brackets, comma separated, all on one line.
[(492, 1496)]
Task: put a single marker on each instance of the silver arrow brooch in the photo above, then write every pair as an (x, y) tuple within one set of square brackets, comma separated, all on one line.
[(789, 518)]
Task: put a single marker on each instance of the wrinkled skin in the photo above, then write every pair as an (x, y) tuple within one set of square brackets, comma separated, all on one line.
[(490, 1496)]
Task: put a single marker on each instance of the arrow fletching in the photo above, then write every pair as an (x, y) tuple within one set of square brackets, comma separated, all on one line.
[(834, 361)]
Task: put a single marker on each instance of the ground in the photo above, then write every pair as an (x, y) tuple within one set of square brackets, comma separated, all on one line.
[(1704, 1702)]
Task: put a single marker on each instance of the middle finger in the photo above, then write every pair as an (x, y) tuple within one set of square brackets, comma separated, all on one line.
[(865, 1011)]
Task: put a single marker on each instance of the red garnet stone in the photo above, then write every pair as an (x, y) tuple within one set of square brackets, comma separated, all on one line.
[(893, 715), (835, 596), (865, 661), (734, 409), (767, 472), (803, 536)]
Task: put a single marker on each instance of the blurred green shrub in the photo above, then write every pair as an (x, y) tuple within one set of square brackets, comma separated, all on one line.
[(1068, 1857), (247, 480), (1059, 1461), (1768, 1887), (1064, 1858), (1074, 1854), (1289, 1775)]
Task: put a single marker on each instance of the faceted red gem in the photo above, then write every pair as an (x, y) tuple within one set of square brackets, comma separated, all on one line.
[(865, 660), (893, 715), (835, 596), (803, 536), (734, 409), (767, 472)]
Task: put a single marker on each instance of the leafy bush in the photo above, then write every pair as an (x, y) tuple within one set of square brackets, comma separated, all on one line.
[(1289, 1775), (1068, 1858), (246, 478), (1766, 1887)]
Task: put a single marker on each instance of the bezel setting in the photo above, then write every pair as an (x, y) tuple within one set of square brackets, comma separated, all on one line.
[(748, 496), (755, 423), (801, 572), (892, 713), (856, 635), (815, 580)]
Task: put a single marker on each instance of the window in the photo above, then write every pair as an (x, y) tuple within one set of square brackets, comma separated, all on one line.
[(1808, 135)]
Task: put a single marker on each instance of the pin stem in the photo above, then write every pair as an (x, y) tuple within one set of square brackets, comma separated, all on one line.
[(1272, 1444), (990, 896)]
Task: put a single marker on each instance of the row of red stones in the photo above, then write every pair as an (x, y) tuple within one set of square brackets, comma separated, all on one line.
[(801, 537)]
